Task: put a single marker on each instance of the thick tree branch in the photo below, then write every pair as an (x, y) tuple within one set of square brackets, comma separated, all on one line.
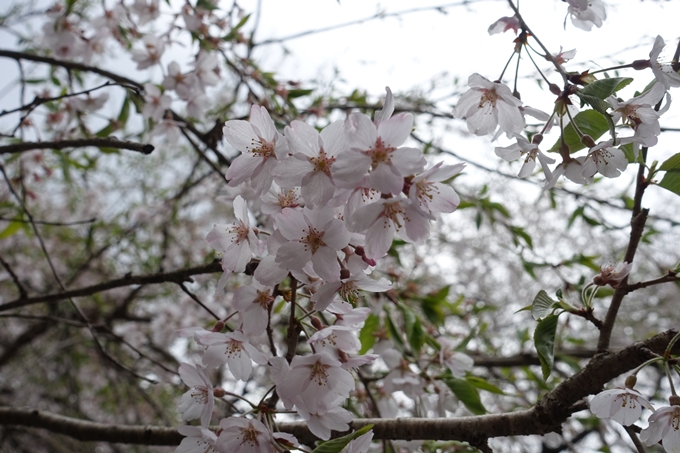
[(546, 416), (108, 142), (71, 66), (179, 276)]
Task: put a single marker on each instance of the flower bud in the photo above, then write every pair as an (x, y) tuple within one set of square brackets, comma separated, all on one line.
[(316, 322), (639, 65), (588, 141), (537, 139), (219, 392), (631, 381), (219, 325), (554, 89)]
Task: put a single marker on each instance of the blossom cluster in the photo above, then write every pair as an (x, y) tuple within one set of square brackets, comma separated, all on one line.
[(492, 108), (330, 204)]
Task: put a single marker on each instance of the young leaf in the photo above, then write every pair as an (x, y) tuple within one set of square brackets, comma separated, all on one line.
[(671, 180), (542, 305), (602, 89), (467, 394), (544, 340), (336, 445), (483, 384), (366, 335), (589, 122)]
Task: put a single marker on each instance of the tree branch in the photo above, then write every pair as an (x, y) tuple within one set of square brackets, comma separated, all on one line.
[(108, 142), (70, 65), (179, 276), (546, 416)]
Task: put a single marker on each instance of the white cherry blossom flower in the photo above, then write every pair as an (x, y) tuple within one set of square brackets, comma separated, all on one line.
[(199, 401), (147, 10), (504, 24), (385, 217), (156, 102), (242, 435), (605, 159), (313, 235), (234, 349), (663, 70), (182, 84), (457, 362), (572, 169), (260, 144), (487, 105), (613, 275), (639, 114), (237, 240), (321, 422), (197, 440), (430, 195), (318, 379), (253, 302), (623, 405), (332, 339), (664, 425), (586, 13), (150, 54), (525, 148), (359, 445), (374, 146)]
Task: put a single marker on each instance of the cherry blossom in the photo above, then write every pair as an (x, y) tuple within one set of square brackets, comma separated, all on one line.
[(313, 235), (664, 425), (487, 105), (197, 440), (457, 362), (386, 217), (317, 379), (156, 102), (374, 146), (147, 10), (663, 70), (524, 148), (260, 145), (312, 157), (321, 421), (199, 400), (623, 405), (234, 349), (504, 24), (586, 13), (150, 53), (359, 445), (242, 435), (605, 159), (182, 84), (332, 339), (430, 195), (639, 114), (613, 274), (571, 168), (253, 302)]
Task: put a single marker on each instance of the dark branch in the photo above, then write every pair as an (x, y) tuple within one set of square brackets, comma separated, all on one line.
[(71, 65), (547, 416), (108, 142), (179, 276)]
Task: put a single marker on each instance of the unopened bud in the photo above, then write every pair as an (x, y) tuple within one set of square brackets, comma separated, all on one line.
[(219, 325), (316, 322), (554, 89), (631, 381), (674, 400), (588, 141), (344, 274), (219, 392), (639, 65), (537, 139)]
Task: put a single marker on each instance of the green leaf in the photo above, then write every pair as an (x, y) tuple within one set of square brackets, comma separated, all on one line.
[(395, 334), (10, 230), (416, 337), (107, 150), (335, 445), (292, 94), (602, 89), (589, 122), (366, 335), (233, 33), (542, 305), (544, 340), (483, 384), (124, 112), (467, 394), (671, 180)]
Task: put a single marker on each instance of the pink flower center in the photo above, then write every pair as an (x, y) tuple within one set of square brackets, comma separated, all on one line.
[(200, 395), (380, 153), (249, 436), (488, 96), (262, 148), (288, 200), (319, 373), (313, 239), (323, 163), (241, 231), (263, 299)]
